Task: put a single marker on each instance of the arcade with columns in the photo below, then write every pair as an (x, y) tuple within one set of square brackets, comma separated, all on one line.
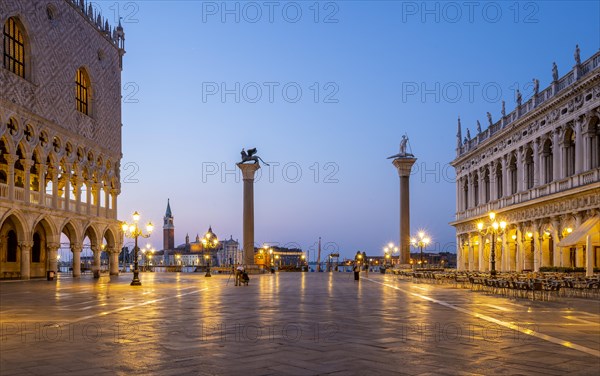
[(538, 169)]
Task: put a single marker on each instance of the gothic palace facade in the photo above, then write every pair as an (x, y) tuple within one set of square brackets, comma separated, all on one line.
[(60, 135), (538, 169)]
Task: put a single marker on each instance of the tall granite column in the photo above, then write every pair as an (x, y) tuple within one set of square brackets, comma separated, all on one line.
[(404, 166), (248, 171)]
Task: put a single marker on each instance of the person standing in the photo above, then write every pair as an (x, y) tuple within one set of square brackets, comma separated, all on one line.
[(356, 270), (238, 274)]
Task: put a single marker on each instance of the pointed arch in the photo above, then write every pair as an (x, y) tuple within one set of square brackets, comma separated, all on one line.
[(93, 234), (70, 229)]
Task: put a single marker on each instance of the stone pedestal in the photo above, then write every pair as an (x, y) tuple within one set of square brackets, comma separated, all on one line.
[(248, 171), (404, 166)]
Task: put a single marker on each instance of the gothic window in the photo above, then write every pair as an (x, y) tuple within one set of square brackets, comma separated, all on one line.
[(82, 92), (36, 250), (11, 246), (569, 152), (529, 166), (499, 181), (548, 160), (14, 47)]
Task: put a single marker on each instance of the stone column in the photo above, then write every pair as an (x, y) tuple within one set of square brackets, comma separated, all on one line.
[(590, 256), (459, 255), (556, 155), (536, 163), (41, 168), (556, 252), (521, 171), (114, 193), (76, 249), (10, 160), (579, 145), (537, 250), (96, 194), (25, 259), (77, 190), (55, 170), (113, 261), (505, 177), (471, 255), (97, 252), (88, 197), (67, 188), (106, 201), (481, 254), (27, 163), (404, 167), (53, 256), (505, 256), (248, 171), (519, 250)]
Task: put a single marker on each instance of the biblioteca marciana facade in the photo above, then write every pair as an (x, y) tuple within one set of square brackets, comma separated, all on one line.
[(538, 169), (60, 135)]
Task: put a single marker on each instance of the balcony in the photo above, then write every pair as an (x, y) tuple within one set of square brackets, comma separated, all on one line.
[(558, 186), (34, 199)]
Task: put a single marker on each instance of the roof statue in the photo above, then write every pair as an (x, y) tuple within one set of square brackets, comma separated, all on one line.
[(459, 134), (479, 126), (250, 156), (503, 109), (489, 116), (536, 86), (577, 56), (468, 134), (554, 72), (519, 98), (403, 152)]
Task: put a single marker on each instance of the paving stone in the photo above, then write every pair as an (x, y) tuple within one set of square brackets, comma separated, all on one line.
[(285, 324)]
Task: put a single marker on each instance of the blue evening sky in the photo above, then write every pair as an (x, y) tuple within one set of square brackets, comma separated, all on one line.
[(368, 71)]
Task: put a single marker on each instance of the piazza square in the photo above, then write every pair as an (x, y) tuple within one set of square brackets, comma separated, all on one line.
[(295, 188)]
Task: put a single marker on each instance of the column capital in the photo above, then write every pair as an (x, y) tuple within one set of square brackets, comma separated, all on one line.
[(248, 170), (404, 165), (26, 244), (52, 246), (11, 158), (76, 248), (26, 162)]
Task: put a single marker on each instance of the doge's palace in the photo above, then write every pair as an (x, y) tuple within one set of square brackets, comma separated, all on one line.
[(538, 169), (60, 135)]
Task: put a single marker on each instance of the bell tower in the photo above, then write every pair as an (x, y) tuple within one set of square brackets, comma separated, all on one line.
[(168, 229)]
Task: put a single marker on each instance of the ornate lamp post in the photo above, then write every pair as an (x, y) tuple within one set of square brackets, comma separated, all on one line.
[(209, 242), (494, 228), (132, 230), (421, 241)]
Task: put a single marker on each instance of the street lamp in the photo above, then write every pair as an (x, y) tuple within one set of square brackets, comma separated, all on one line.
[(421, 241), (391, 248), (209, 242), (132, 230), (494, 228)]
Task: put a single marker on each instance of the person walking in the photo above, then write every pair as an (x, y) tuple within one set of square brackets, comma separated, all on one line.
[(356, 270)]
